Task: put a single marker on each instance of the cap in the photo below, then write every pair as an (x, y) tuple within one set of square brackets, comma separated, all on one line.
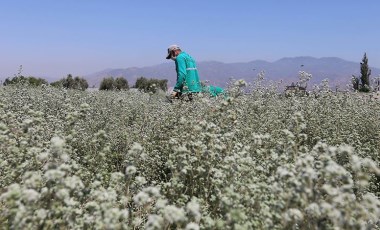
[(170, 49)]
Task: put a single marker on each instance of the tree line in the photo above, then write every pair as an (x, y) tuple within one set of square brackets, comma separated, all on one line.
[(25, 80), (69, 82), (361, 84), (79, 83), (142, 83)]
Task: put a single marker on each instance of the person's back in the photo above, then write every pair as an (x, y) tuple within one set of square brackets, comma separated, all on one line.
[(187, 74)]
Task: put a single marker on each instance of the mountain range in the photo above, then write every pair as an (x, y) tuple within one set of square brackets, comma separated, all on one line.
[(337, 70)]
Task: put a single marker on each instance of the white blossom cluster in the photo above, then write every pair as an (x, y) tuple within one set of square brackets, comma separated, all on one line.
[(128, 160)]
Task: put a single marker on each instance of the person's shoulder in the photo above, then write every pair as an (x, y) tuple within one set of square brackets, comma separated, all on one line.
[(185, 55), (182, 56)]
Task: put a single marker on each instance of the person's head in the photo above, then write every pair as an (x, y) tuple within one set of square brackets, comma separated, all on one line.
[(173, 52)]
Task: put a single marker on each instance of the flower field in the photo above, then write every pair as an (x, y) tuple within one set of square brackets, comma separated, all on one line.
[(129, 160)]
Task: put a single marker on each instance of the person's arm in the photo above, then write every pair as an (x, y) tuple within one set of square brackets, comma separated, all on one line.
[(181, 73)]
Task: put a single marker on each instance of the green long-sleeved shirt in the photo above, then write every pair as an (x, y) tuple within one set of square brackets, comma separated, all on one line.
[(187, 74)]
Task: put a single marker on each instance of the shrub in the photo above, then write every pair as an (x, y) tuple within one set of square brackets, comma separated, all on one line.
[(33, 81), (121, 83), (107, 84), (71, 83), (151, 85), (110, 83)]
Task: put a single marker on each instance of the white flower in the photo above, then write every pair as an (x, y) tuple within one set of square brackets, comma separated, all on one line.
[(372, 203), (161, 203), (32, 180), (31, 195), (14, 191), (355, 162), (74, 182), (152, 191), (142, 198), (130, 170), (43, 156), (63, 194), (335, 169), (96, 184), (136, 149), (141, 180), (173, 214), (137, 221), (326, 207), (41, 213), (193, 209), (27, 122), (284, 172), (192, 226), (293, 215), (155, 222), (240, 83), (57, 142), (3, 127), (65, 157), (313, 210), (92, 205), (85, 106), (54, 174), (124, 214), (71, 202)]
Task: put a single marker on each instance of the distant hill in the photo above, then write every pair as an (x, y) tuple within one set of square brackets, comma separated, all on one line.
[(337, 70)]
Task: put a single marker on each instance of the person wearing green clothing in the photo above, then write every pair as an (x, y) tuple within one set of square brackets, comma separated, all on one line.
[(188, 82), (213, 91), (187, 73)]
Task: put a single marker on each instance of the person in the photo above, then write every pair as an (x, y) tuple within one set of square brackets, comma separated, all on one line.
[(187, 73), (212, 90), (188, 82)]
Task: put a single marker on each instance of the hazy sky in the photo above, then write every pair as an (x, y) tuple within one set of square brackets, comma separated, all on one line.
[(54, 38)]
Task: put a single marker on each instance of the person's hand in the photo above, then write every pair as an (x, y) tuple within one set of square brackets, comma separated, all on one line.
[(174, 94)]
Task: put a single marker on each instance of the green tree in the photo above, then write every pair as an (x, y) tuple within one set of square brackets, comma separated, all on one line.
[(37, 81), (107, 83), (15, 80), (33, 81), (151, 85), (365, 72), (69, 82), (58, 84), (121, 83), (141, 83), (110, 83)]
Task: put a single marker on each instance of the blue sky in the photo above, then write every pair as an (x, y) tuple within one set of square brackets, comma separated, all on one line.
[(54, 38)]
